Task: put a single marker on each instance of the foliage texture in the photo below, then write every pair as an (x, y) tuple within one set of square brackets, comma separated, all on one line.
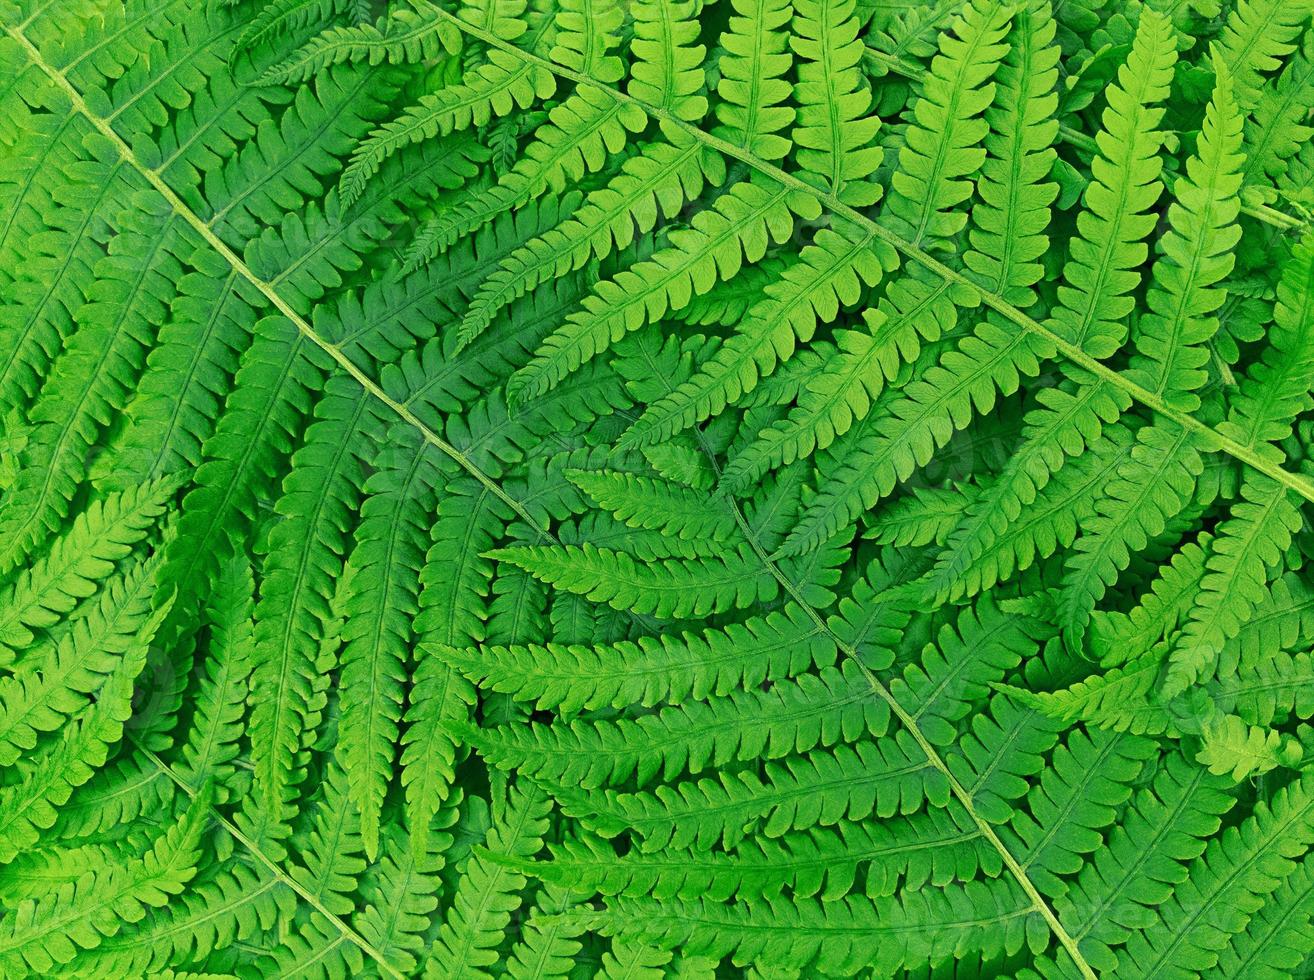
[(688, 489)]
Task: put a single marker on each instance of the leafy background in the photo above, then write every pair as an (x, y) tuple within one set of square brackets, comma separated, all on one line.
[(764, 488)]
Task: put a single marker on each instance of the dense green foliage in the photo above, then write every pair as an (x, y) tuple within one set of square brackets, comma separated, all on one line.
[(678, 489)]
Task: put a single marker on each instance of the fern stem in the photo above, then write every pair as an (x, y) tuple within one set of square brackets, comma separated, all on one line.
[(272, 866), (1213, 440)]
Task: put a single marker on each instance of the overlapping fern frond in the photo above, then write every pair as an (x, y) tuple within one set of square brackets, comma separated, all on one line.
[(691, 489)]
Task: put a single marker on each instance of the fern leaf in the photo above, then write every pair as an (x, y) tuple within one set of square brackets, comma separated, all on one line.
[(829, 273), (80, 915), (78, 562), (1230, 746), (1094, 300), (655, 182), (670, 668), (211, 747), (822, 788), (492, 90), (792, 717), (487, 893), (1223, 889), (1256, 36), (1150, 488), (738, 227), (587, 30), (751, 89), (1170, 340), (380, 597), (1166, 826), (1245, 547), (1074, 800), (405, 35), (925, 926), (1274, 391), (292, 616), (667, 71), (671, 589), (835, 132)]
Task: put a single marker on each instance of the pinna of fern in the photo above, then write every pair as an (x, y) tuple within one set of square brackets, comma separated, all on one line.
[(698, 488)]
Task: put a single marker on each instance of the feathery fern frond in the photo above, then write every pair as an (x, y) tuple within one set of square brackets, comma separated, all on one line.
[(703, 488)]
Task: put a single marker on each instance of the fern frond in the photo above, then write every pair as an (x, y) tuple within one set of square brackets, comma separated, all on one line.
[(830, 272), (755, 56), (653, 183), (1171, 339), (1166, 826), (835, 133), (292, 616), (1231, 747), (823, 788), (671, 588), (737, 228), (42, 935), (78, 562), (937, 847), (211, 747), (491, 90), (380, 598), (487, 893), (587, 30), (1256, 36), (667, 70), (1245, 547), (1274, 391), (837, 937), (404, 35), (1224, 887), (791, 717), (1150, 488), (1094, 300), (670, 668)]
